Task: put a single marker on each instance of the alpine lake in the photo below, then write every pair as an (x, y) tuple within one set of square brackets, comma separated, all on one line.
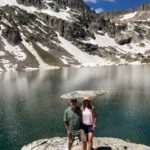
[(31, 108)]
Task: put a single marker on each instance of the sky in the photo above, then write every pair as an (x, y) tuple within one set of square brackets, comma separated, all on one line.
[(109, 5)]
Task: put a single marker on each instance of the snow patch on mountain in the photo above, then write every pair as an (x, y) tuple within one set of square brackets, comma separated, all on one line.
[(128, 16), (34, 53), (42, 47), (1, 70), (6, 22), (15, 50), (8, 65), (84, 58), (133, 48), (28, 29), (2, 53), (104, 40), (29, 46), (90, 41), (65, 60), (63, 14), (5, 2), (43, 23)]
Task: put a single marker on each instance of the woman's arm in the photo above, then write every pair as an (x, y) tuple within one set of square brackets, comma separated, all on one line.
[(94, 117)]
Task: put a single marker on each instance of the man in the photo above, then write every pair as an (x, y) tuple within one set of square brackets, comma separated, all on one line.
[(72, 122)]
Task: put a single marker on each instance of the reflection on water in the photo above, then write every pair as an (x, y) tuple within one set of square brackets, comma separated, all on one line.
[(30, 107)]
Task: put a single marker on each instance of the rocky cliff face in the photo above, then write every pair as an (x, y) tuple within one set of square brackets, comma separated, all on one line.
[(77, 5), (57, 33), (115, 14), (144, 7), (30, 2)]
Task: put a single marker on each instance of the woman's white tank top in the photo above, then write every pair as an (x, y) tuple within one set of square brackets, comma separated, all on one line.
[(87, 116)]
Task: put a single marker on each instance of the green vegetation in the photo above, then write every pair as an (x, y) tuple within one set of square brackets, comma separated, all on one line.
[(35, 37), (12, 34), (146, 60), (128, 140), (142, 45), (127, 57), (25, 18), (46, 56)]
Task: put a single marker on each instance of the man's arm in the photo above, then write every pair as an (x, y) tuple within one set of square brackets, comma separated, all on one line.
[(66, 123), (67, 127)]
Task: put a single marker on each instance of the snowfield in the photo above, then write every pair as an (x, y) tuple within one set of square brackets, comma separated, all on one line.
[(128, 16), (133, 48), (43, 47), (2, 53), (82, 57), (106, 41), (15, 50), (8, 65), (42, 64), (63, 14)]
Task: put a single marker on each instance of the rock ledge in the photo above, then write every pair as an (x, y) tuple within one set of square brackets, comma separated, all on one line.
[(58, 143)]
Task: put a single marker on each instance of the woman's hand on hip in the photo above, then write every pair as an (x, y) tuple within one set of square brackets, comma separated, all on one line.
[(94, 127)]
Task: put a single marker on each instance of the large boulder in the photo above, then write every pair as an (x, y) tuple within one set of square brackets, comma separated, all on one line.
[(122, 39), (98, 144), (135, 37)]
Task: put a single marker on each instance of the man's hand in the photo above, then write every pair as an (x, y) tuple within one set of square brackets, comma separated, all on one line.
[(68, 131), (67, 128)]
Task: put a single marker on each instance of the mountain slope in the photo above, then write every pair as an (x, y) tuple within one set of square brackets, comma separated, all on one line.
[(49, 34)]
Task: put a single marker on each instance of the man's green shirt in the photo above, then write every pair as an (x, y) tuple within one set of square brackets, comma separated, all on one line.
[(73, 119)]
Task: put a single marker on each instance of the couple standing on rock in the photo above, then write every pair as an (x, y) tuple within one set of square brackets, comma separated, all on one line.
[(80, 122)]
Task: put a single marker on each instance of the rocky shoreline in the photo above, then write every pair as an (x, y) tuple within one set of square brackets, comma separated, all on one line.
[(58, 143)]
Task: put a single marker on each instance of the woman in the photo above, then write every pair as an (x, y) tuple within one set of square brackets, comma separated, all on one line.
[(88, 120)]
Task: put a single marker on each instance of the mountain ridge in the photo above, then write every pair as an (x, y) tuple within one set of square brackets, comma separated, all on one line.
[(116, 13)]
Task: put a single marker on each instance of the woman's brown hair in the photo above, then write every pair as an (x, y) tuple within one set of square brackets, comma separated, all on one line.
[(89, 106)]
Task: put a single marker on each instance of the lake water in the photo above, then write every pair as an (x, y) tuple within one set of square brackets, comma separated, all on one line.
[(31, 109)]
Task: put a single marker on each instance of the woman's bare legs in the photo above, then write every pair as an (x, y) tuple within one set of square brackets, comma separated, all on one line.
[(90, 140)]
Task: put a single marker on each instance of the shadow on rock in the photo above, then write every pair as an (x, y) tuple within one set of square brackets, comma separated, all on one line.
[(104, 148)]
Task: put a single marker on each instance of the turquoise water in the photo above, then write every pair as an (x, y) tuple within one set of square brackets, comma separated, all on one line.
[(31, 109)]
